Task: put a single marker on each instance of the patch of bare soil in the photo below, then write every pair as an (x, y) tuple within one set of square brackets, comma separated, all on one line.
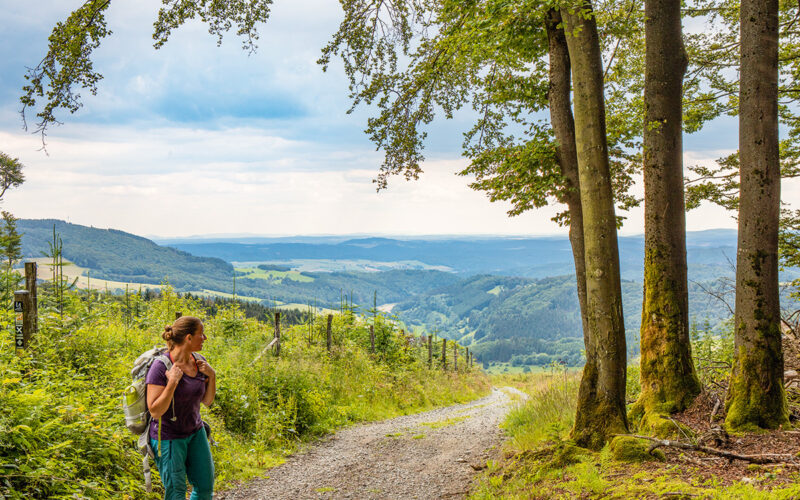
[(429, 455)]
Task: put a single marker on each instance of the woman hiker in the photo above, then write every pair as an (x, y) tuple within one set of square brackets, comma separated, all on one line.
[(177, 434)]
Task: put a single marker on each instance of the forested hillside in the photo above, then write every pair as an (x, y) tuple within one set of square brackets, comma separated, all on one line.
[(522, 320), (120, 256), (708, 253), (534, 322)]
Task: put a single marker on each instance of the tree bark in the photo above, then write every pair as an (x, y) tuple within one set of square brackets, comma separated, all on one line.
[(668, 379), (756, 397), (564, 128), (601, 397)]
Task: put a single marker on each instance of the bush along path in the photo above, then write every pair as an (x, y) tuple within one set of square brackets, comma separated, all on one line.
[(429, 455)]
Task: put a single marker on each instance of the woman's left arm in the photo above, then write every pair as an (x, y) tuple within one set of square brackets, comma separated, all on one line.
[(211, 381)]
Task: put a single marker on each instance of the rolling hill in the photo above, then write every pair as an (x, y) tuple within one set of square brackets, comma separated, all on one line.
[(510, 299)]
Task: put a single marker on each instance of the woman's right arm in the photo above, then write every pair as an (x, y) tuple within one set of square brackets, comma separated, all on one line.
[(159, 397)]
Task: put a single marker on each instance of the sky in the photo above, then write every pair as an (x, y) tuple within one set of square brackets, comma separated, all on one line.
[(195, 139)]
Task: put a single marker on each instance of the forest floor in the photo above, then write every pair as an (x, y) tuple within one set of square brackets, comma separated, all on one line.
[(540, 464), (428, 455)]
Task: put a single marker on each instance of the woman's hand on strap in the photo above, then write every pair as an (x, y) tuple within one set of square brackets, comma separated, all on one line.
[(174, 375), (206, 369)]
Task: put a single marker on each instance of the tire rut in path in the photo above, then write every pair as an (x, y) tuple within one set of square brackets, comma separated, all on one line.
[(422, 456)]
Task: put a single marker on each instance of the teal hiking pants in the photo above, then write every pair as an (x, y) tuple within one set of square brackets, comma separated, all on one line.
[(182, 459)]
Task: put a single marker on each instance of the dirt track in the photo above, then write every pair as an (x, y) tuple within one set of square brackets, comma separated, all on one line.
[(423, 456)]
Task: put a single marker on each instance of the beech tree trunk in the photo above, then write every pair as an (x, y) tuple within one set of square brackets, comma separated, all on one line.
[(601, 397), (756, 398), (564, 128), (668, 379)]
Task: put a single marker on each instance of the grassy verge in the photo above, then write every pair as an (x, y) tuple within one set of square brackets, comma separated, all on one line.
[(62, 431), (539, 461)]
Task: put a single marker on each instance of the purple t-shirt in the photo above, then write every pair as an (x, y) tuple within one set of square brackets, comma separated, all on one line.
[(186, 403)]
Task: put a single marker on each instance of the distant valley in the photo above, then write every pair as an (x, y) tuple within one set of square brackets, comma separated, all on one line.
[(510, 299)]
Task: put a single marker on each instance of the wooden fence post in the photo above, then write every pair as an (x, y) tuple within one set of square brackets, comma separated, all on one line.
[(277, 334), (372, 339), (455, 356), (23, 319), (466, 358), (31, 270), (444, 354), (329, 338), (430, 351)]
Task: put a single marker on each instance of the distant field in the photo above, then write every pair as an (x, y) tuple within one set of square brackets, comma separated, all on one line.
[(336, 265), (214, 293), (72, 271), (273, 276), (303, 307), (498, 368)]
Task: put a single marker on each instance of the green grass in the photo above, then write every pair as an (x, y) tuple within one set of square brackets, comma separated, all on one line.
[(62, 433), (445, 423), (541, 462)]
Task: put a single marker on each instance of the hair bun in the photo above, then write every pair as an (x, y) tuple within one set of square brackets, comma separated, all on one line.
[(176, 333)]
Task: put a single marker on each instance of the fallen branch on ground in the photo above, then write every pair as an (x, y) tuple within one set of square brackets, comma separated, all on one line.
[(767, 458), (714, 411)]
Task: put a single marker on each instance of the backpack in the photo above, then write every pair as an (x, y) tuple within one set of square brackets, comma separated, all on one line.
[(134, 405)]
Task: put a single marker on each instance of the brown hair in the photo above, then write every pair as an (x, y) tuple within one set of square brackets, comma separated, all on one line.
[(176, 333)]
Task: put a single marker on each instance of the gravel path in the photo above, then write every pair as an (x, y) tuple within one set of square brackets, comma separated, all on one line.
[(423, 456)]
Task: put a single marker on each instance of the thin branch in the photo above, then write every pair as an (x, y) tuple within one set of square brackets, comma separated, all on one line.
[(767, 458)]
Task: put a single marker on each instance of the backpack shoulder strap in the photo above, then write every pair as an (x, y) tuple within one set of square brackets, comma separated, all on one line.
[(165, 360)]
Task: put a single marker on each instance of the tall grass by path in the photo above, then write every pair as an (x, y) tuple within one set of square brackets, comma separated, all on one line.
[(62, 432), (540, 462)]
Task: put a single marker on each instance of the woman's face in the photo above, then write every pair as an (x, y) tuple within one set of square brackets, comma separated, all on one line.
[(196, 340)]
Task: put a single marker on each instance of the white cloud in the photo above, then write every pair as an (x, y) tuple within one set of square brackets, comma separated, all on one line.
[(275, 155)]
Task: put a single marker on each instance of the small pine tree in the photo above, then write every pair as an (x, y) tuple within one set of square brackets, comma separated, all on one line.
[(11, 251)]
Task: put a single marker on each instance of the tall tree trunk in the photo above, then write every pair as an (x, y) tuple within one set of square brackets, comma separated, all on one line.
[(601, 397), (668, 379), (564, 128), (756, 398)]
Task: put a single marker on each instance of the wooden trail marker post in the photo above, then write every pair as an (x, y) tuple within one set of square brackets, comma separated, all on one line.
[(444, 354), (455, 356), (31, 271), (329, 338), (466, 357), (277, 334), (23, 320), (372, 339), (430, 351)]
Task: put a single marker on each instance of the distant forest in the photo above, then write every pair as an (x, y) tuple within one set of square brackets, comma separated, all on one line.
[(521, 320)]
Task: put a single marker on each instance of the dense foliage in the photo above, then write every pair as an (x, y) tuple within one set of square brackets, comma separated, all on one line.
[(62, 434)]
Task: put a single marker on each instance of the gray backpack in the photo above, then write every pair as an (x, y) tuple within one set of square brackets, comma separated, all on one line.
[(134, 405)]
